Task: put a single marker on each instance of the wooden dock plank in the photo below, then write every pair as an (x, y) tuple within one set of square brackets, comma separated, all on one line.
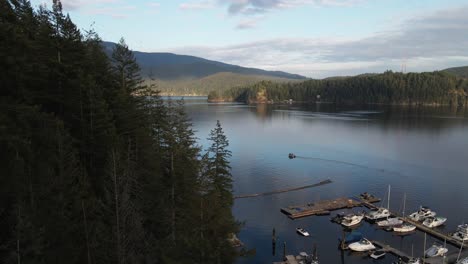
[(320, 207)]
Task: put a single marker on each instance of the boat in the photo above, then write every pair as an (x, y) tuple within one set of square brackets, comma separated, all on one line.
[(381, 212), (314, 259), (352, 220), (392, 221), (435, 251), (291, 156), (423, 213), (361, 246), (302, 231), (378, 254), (435, 221), (404, 228), (462, 261), (461, 233), (405, 260)]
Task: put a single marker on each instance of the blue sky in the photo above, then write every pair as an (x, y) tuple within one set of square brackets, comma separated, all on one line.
[(316, 38)]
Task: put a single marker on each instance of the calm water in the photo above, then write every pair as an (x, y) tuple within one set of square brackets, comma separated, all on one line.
[(420, 152)]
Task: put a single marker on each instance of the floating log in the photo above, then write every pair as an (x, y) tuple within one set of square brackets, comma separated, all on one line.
[(283, 190)]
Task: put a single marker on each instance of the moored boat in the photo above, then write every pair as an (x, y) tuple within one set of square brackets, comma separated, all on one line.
[(392, 221), (378, 254), (435, 221), (462, 261), (361, 246), (435, 251), (423, 213), (462, 232), (404, 228)]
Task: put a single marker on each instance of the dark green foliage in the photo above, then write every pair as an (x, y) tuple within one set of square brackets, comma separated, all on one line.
[(96, 168), (461, 72), (435, 88)]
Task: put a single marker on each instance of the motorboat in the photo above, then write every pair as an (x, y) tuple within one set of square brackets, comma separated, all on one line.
[(378, 254), (422, 213), (404, 228), (378, 214), (462, 232), (361, 246), (435, 251), (462, 261), (435, 221), (291, 155), (392, 221), (352, 220), (302, 231), (406, 260)]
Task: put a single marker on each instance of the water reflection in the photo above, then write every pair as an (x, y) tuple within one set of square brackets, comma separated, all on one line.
[(419, 151)]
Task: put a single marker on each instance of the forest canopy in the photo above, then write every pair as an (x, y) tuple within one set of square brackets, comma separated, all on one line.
[(92, 173)]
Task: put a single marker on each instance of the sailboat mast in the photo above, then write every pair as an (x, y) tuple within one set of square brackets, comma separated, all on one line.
[(388, 202), (404, 204)]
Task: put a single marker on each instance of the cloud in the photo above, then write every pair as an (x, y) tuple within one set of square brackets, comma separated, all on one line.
[(72, 5), (154, 4), (249, 7), (119, 12), (197, 5), (247, 24), (428, 42)]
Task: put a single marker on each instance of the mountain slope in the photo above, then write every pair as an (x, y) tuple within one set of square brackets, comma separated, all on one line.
[(458, 71), (216, 82), (169, 66)]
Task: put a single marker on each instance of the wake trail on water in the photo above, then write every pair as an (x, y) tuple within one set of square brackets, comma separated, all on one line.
[(351, 164)]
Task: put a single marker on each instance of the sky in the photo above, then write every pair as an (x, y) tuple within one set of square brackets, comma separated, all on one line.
[(314, 38)]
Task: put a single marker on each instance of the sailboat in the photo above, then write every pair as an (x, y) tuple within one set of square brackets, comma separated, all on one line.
[(381, 212), (463, 261), (390, 221), (405, 227), (462, 232)]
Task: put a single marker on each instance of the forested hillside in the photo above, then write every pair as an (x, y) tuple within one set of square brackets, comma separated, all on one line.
[(91, 173), (217, 82), (433, 88), (461, 72)]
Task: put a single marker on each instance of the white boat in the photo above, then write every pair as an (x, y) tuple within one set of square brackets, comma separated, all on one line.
[(436, 221), (378, 254), (421, 214), (463, 261), (414, 261), (435, 251), (404, 228), (392, 221), (302, 231), (461, 233), (352, 220), (361, 246), (381, 212)]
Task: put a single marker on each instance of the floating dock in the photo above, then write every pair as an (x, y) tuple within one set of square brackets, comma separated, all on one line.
[(433, 232), (283, 190), (324, 207)]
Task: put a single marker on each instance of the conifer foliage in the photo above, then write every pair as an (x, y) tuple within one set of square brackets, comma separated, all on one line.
[(96, 168)]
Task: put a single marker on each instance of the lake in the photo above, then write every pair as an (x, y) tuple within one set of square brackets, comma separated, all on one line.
[(420, 152)]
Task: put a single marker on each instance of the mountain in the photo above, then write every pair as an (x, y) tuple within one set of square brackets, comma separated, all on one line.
[(216, 82), (461, 72), (169, 66)]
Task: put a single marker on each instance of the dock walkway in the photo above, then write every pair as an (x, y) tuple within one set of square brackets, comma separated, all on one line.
[(433, 232), (324, 207)]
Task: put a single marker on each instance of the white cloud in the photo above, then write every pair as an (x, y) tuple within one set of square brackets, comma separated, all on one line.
[(429, 42), (197, 5)]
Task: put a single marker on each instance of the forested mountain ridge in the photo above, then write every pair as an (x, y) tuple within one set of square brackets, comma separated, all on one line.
[(461, 72), (91, 173), (169, 66), (429, 88)]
